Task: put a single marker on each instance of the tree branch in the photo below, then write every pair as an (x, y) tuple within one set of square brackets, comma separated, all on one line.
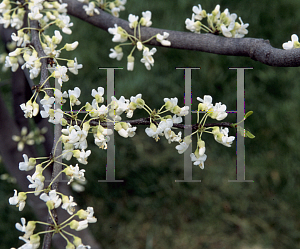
[(257, 49), (146, 121)]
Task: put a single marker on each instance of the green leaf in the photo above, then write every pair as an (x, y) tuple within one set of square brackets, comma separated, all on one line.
[(249, 134), (248, 114)]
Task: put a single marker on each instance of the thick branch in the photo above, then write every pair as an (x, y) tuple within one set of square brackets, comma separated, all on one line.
[(257, 49)]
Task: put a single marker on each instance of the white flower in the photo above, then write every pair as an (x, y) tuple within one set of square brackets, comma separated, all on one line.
[(27, 164), (182, 147), (241, 30), (75, 136), (74, 95), (11, 62), (219, 112), (98, 94), (130, 63), (199, 13), (122, 104), (37, 182), (32, 243), (63, 22), (162, 39), (90, 9), (75, 173), (133, 21), (294, 43), (55, 116), (90, 218), (147, 57), (126, 130), (115, 11), (226, 31), (53, 198), (73, 66), (221, 136), (137, 101), (83, 155), (71, 46), (198, 161), (68, 204), (82, 225), (56, 39), (28, 230), (67, 153), (176, 120), (183, 111), (47, 101), (27, 109), (116, 53), (193, 26), (170, 103), (60, 73), (146, 19), (119, 34), (35, 14), (18, 200), (207, 103)]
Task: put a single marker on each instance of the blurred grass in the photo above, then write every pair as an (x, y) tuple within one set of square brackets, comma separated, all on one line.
[(149, 210)]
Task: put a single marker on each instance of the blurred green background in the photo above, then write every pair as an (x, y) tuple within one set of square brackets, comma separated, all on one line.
[(149, 210)]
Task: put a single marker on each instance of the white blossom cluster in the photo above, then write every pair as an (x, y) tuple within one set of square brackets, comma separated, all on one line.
[(46, 13), (113, 7), (97, 116), (218, 22), (120, 35), (218, 112)]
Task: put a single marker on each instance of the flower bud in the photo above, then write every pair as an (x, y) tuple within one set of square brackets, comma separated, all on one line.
[(216, 10), (82, 214), (22, 196), (77, 241), (72, 46), (140, 103), (35, 109), (176, 109), (124, 125), (16, 52), (139, 46), (130, 63), (118, 126), (74, 224), (70, 246)]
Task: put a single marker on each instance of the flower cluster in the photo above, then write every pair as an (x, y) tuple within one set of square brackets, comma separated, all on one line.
[(54, 201), (120, 35), (218, 22), (31, 138), (12, 14), (46, 13), (98, 119), (218, 112), (113, 7)]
